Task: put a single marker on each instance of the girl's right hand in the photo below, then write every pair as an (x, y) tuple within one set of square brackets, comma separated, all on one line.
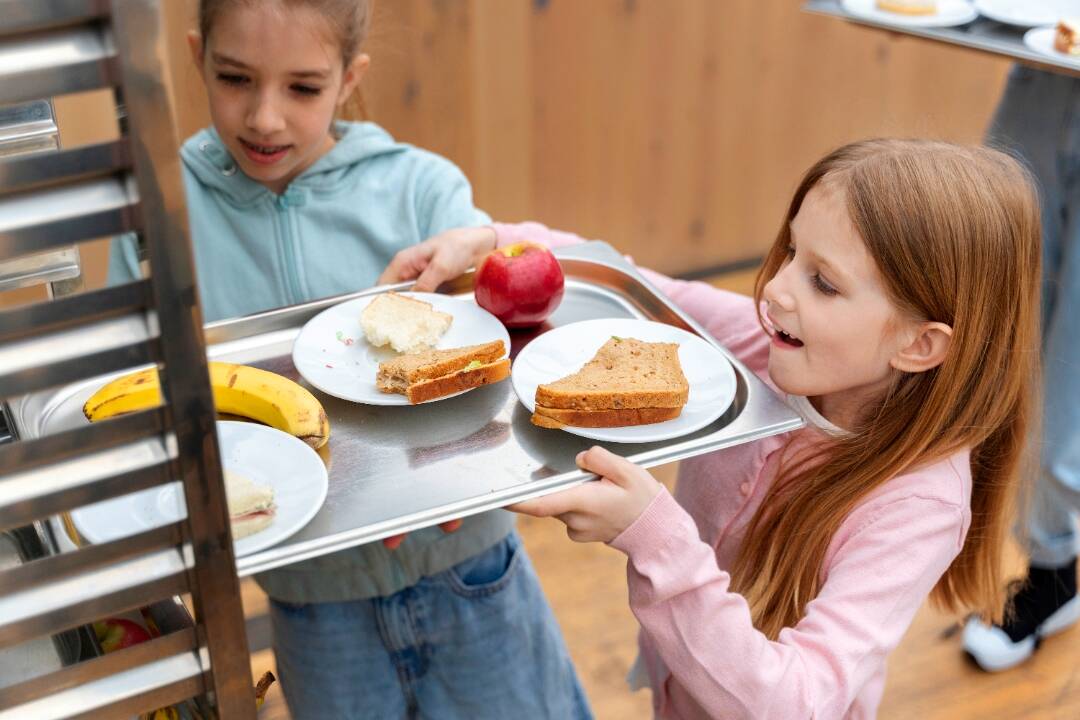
[(440, 258)]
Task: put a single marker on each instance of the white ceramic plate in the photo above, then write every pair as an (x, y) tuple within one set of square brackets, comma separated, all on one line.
[(332, 353), (566, 349), (1041, 40), (1028, 13), (949, 12), (267, 456)]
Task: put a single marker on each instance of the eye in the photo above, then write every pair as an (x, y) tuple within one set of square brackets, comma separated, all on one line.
[(823, 287), (230, 79), (306, 90)]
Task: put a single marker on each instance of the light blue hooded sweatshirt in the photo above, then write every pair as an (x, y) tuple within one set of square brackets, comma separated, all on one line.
[(333, 230)]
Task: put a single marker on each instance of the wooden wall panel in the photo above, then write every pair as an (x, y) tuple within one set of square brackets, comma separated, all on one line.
[(676, 130)]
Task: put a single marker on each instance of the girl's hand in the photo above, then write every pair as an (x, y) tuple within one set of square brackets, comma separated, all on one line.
[(598, 511), (440, 258), (394, 541)]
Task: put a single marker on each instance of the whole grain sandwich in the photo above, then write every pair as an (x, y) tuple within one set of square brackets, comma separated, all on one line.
[(431, 374), (627, 382)]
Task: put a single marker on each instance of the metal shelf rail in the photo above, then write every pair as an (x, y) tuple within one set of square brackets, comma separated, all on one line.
[(47, 201)]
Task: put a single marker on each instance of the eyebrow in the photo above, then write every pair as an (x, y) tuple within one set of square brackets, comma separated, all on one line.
[(226, 60)]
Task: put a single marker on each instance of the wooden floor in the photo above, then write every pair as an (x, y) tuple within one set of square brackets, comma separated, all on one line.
[(929, 677)]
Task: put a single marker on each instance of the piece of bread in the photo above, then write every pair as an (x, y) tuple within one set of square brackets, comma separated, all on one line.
[(909, 7), (624, 373), (628, 382), (251, 506), (406, 324), (434, 373), (1067, 36), (624, 417)]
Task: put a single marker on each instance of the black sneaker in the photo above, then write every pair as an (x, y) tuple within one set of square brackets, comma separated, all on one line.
[(1046, 604)]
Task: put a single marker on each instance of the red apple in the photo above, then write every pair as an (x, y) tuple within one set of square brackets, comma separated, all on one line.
[(520, 284), (117, 633)]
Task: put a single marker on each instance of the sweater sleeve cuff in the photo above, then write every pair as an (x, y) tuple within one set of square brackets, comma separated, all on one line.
[(648, 533)]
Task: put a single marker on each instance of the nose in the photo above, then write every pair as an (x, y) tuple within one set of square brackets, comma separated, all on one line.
[(776, 291), (264, 117)]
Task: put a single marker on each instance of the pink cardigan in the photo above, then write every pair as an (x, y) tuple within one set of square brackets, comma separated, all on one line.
[(702, 653)]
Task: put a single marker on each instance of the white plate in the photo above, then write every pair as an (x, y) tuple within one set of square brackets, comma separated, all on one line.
[(1027, 13), (267, 456), (1041, 40), (949, 12), (332, 353), (566, 349)]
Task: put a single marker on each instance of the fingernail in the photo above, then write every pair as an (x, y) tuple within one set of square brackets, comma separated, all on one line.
[(580, 457)]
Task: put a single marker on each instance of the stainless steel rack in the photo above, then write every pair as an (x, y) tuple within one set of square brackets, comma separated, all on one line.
[(57, 199)]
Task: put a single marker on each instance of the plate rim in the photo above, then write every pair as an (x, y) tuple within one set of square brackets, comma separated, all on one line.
[(388, 399), (602, 434), (900, 20), (1029, 42), (241, 547)]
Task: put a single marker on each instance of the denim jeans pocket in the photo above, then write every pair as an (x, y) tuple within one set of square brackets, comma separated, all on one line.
[(488, 572)]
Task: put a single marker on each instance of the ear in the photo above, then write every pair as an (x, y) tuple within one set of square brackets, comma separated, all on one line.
[(195, 44), (354, 73), (926, 350)]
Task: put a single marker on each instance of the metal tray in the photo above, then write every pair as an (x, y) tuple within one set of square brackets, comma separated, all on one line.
[(396, 469), (981, 34)]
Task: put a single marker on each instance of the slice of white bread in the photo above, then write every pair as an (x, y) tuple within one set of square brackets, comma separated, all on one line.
[(628, 382), (909, 7), (434, 373), (251, 506), (408, 325)]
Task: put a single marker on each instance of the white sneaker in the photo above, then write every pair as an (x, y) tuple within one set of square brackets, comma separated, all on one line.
[(994, 650)]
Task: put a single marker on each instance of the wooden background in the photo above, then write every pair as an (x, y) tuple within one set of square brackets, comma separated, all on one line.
[(675, 130)]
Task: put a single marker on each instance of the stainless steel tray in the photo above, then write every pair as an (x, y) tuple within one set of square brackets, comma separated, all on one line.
[(981, 34), (396, 469)]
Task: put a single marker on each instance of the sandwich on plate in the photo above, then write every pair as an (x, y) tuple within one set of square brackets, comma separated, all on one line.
[(1067, 36), (404, 323), (251, 506), (432, 374), (628, 382)]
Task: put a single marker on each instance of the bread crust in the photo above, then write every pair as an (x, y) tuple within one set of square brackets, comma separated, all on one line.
[(623, 417), (458, 381), (434, 364), (611, 399)]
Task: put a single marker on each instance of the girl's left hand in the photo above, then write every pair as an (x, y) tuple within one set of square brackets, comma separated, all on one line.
[(440, 258), (598, 511)]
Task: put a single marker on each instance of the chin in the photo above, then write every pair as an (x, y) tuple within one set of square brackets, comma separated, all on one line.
[(788, 382)]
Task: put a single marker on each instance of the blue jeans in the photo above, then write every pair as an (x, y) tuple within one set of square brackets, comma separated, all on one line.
[(1039, 117), (475, 641)]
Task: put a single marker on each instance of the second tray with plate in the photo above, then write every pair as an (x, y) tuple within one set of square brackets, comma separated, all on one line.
[(394, 469)]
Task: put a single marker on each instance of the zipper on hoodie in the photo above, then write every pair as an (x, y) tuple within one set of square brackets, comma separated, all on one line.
[(285, 202)]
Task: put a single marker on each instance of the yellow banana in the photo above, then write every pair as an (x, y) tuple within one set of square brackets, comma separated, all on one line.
[(238, 390)]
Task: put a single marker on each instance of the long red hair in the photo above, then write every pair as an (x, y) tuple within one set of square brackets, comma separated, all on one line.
[(954, 232)]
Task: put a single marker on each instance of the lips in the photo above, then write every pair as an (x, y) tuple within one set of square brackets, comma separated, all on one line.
[(263, 154), (781, 337)]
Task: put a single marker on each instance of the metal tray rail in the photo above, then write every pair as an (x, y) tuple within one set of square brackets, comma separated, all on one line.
[(398, 469), (982, 34)]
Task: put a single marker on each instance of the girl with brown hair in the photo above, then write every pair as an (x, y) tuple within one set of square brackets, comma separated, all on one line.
[(897, 312), (287, 205)]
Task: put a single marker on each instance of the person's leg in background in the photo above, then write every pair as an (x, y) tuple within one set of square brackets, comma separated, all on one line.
[(1039, 117)]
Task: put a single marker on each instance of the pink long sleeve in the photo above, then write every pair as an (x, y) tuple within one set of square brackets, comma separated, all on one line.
[(889, 557)]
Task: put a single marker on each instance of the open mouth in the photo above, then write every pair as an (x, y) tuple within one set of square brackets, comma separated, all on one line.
[(263, 152), (788, 339)]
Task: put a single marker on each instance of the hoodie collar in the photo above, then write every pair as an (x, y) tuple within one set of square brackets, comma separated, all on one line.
[(206, 156)]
